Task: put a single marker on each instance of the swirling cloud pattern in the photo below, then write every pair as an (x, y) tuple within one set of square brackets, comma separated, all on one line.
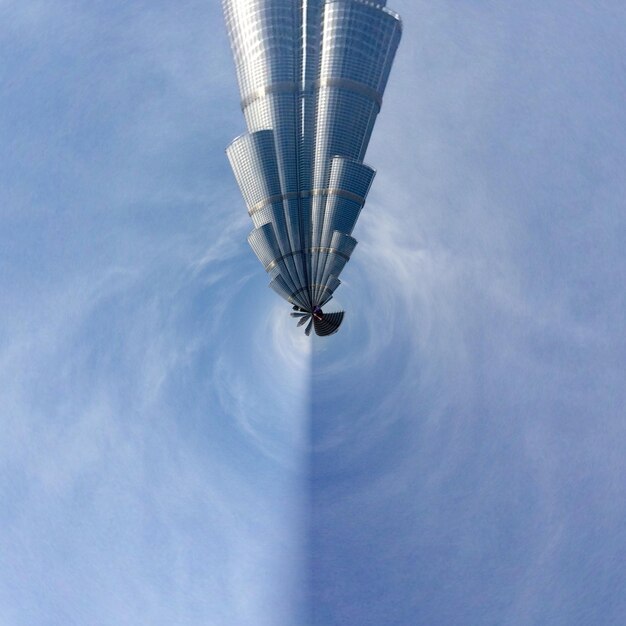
[(175, 451), (466, 426)]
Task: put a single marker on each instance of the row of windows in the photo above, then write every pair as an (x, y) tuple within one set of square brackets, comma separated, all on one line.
[(255, 168), (351, 175), (343, 124), (339, 215), (332, 268), (264, 244), (323, 263), (263, 241), (257, 175), (268, 40), (322, 281), (343, 127), (283, 290), (253, 159)]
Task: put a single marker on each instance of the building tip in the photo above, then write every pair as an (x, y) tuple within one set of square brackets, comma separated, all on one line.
[(324, 323)]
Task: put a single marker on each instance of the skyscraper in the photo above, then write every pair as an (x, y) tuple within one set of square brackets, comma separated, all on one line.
[(311, 76)]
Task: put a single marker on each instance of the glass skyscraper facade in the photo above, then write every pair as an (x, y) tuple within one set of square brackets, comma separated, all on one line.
[(311, 76)]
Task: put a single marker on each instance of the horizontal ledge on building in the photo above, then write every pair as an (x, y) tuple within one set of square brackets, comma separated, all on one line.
[(270, 266), (312, 287), (326, 191)]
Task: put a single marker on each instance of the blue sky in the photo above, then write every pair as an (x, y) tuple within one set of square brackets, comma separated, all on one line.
[(174, 451)]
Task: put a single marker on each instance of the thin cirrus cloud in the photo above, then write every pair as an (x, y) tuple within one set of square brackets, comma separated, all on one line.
[(137, 484), (465, 464), (165, 427)]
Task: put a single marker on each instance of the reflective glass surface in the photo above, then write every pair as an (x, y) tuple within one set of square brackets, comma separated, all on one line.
[(311, 77)]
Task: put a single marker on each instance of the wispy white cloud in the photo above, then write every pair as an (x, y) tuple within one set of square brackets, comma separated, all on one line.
[(132, 491), (467, 421), (470, 411)]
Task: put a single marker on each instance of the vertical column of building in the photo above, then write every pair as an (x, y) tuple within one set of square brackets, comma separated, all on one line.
[(253, 159), (311, 11), (348, 186), (358, 43), (265, 36), (359, 40)]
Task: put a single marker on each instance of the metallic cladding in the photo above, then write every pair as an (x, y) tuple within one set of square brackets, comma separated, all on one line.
[(312, 74)]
